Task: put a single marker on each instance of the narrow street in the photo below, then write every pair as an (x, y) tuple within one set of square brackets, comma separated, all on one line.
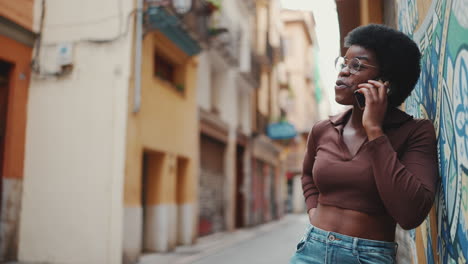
[(272, 243)]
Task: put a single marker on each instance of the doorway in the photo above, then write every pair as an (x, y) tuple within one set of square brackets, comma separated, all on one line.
[(152, 169), (5, 72), (212, 180), (240, 200)]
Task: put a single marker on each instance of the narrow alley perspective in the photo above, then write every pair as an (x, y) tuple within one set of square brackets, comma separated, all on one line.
[(192, 131), (274, 242)]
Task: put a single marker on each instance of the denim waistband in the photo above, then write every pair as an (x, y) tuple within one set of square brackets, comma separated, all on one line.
[(354, 243)]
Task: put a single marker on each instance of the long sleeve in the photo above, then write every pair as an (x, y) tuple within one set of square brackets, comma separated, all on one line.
[(308, 186), (407, 185)]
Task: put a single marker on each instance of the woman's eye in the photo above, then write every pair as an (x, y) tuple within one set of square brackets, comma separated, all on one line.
[(354, 65)]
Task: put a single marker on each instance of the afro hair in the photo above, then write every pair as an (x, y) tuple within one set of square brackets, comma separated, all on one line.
[(397, 55)]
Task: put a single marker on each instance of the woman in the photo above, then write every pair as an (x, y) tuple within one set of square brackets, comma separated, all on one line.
[(373, 166)]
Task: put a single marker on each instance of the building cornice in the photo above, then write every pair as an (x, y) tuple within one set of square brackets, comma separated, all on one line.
[(16, 32)]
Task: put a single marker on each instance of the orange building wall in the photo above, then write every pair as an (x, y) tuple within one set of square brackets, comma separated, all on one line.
[(20, 56), (18, 11)]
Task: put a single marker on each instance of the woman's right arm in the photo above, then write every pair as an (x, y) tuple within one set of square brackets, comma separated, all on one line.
[(309, 188)]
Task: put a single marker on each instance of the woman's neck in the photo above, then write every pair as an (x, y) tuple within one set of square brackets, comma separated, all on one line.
[(355, 120)]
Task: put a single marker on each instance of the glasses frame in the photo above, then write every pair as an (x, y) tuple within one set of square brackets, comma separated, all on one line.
[(345, 63)]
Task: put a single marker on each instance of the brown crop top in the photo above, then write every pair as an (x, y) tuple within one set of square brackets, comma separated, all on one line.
[(395, 174)]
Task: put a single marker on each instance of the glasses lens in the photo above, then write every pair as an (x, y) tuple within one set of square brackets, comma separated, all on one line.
[(339, 63), (354, 65)]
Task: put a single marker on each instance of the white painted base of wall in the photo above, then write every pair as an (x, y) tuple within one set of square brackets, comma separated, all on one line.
[(132, 234), (9, 218), (160, 228), (166, 226), (186, 226)]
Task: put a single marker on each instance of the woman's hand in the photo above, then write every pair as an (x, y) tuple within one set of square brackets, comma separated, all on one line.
[(375, 93)]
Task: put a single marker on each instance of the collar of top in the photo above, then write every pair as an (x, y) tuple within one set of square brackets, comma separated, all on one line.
[(393, 118)]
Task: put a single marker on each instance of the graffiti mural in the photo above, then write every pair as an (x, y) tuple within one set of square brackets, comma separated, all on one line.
[(440, 27)]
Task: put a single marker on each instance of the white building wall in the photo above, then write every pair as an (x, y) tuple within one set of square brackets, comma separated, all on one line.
[(203, 81), (72, 206)]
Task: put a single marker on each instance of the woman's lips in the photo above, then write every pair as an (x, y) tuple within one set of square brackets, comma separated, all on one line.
[(341, 85)]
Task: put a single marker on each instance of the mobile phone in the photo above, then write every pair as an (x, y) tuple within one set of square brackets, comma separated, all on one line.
[(361, 99)]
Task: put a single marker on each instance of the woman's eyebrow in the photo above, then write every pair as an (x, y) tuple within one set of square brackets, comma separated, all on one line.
[(362, 58)]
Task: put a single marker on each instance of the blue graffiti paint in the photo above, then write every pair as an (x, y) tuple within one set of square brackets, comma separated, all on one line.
[(442, 96)]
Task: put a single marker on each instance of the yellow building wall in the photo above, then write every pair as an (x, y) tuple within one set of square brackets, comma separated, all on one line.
[(167, 123)]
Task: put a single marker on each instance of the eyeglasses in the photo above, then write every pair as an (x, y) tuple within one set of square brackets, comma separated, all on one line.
[(354, 65)]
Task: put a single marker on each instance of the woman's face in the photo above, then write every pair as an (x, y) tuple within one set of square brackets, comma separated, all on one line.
[(346, 82)]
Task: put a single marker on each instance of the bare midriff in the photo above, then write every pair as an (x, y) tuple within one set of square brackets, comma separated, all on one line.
[(353, 223)]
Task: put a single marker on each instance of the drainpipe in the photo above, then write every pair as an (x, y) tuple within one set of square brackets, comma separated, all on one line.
[(138, 45)]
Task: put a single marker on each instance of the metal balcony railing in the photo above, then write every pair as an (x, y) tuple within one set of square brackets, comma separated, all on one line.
[(225, 37), (196, 21)]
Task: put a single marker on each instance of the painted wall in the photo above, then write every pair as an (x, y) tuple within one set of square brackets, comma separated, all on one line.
[(75, 139), (440, 27), (204, 81), (166, 130), (261, 28), (19, 56)]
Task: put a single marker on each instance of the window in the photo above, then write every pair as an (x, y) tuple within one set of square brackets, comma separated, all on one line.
[(164, 69), (167, 70)]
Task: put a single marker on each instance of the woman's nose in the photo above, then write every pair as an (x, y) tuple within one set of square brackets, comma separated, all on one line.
[(344, 71)]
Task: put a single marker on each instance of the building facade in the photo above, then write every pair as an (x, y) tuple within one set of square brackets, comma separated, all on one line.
[(74, 164), (266, 184), (16, 46), (162, 144), (299, 95), (226, 87)]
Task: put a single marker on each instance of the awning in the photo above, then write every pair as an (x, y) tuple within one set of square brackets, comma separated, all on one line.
[(281, 130)]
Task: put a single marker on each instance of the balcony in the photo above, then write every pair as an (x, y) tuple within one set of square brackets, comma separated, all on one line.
[(225, 38), (195, 23), (160, 18), (198, 19)]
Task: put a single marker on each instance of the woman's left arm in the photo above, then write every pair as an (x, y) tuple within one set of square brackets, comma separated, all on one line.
[(407, 185)]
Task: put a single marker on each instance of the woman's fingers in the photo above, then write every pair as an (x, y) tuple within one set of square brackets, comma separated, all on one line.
[(369, 92), (377, 91), (381, 88)]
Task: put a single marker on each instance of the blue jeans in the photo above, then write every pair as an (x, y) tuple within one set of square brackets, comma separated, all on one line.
[(318, 246)]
